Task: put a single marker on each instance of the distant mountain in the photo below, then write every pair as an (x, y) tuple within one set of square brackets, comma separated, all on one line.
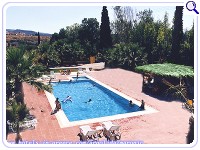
[(26, 32)]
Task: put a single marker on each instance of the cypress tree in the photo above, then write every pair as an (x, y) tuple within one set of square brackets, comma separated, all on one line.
[(38, 38), (105, 31), (177, 35)]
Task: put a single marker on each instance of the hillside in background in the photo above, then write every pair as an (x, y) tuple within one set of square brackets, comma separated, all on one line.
[(24, 37), (25, 32)]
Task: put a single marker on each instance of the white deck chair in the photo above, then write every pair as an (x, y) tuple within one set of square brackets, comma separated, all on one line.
[(99, 130), (33, 121), (30, 124), (111, 131), (52, 75), (87, 70), (45, 77), (88, 134), (10, 126), (80, 70)]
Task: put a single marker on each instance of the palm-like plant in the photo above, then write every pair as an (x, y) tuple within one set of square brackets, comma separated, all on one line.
[(126, 55), (20, 68), (15, 114)]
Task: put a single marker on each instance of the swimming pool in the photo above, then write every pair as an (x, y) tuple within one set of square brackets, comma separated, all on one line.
[(104, 102)]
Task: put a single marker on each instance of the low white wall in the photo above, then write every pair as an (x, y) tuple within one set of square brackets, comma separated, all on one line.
[(95, 66)]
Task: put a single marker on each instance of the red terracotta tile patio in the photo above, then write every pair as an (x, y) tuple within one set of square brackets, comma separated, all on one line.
[(168, 126)]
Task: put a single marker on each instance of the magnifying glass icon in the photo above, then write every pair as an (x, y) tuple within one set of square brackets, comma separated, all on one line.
[(191, 6)]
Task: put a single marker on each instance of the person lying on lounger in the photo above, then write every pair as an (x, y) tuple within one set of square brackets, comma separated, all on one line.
[(68, 98)]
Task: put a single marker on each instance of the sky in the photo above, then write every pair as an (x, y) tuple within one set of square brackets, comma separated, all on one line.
[(50, 19)]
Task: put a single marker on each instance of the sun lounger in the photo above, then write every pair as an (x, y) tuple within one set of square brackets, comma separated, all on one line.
[(52, 75), (10, 126), (111, 131), (45, 77), (29, 124), (99, 130), (88, 134), (87, 70), (80, 70)]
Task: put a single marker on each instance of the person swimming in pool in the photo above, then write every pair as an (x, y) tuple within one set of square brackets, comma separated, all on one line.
[(131, 103), (68, 98), (88, 101), (91, 87)]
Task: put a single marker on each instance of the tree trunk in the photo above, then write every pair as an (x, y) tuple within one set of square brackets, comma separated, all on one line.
[(19, 91), (18, 136)]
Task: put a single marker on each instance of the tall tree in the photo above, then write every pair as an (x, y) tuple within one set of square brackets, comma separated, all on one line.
[(177, 35), (123, 24), (38, 38), (71, 33), (54, 37), (144, 18), (187, 49), (149, 40), (105, 32), (89, 35), (62, 33), (191, 41), (163, 40), (145, 32)]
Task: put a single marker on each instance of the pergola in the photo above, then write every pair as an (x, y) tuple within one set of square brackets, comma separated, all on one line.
[(167, 69), (154, 75)]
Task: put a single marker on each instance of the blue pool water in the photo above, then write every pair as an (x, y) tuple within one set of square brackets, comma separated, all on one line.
[(103, 101)]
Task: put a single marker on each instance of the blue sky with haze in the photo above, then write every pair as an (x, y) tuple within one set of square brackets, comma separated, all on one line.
[(50, 19)]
